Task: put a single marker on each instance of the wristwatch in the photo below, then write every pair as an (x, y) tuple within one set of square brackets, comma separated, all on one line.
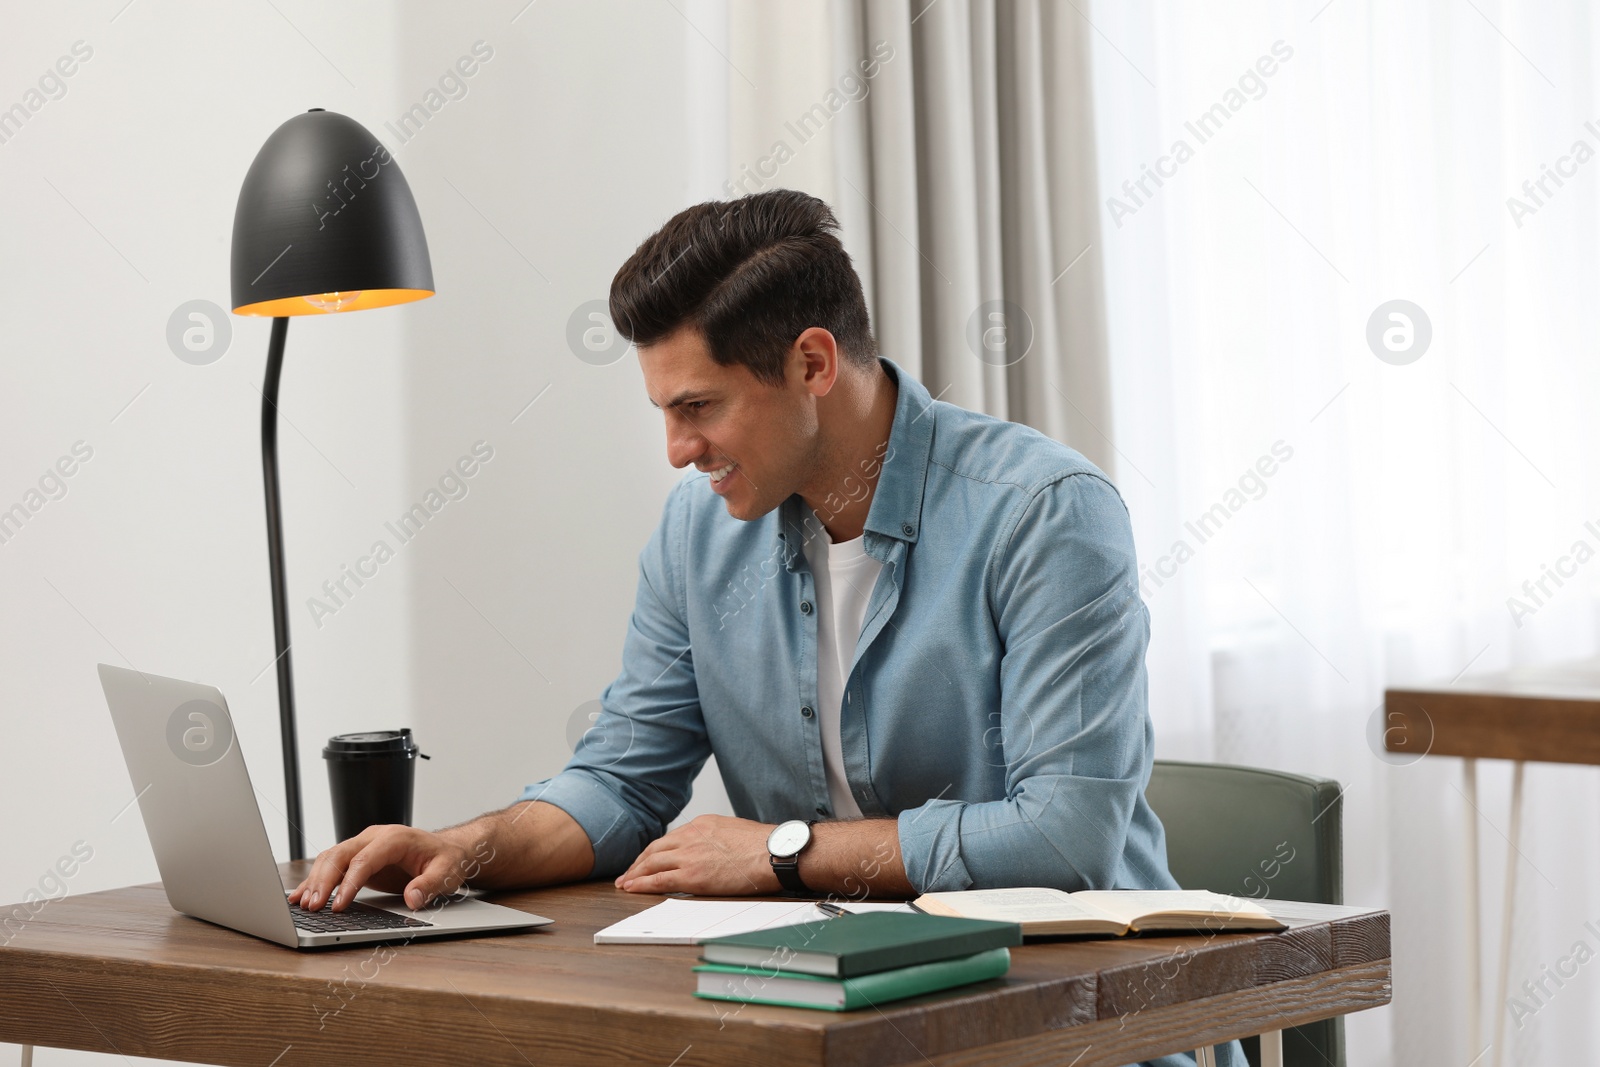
[(785, 844)]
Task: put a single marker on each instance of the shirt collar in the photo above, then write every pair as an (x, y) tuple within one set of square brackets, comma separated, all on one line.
[(896, 510)]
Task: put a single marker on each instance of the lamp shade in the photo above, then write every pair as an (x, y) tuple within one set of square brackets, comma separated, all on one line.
[(326, 222)]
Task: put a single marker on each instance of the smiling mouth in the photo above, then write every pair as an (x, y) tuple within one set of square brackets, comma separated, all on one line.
[(721, 473)]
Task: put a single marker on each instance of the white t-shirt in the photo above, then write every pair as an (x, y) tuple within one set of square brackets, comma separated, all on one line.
[(844, 575)]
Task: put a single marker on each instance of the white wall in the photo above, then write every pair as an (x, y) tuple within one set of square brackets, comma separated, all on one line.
[(572, 146), (572, 143)]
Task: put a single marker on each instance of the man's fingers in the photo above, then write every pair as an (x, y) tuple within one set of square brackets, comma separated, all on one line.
[(661, 844), (438, 878), (328, 869), (374, 856), (712, 855), (652, 852), (647, 865), (642, 865), (660, 882)]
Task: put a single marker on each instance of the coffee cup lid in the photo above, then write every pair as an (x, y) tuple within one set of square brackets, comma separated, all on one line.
[(372, 744)]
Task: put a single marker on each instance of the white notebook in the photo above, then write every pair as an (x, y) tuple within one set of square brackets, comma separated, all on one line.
[(678, 921)]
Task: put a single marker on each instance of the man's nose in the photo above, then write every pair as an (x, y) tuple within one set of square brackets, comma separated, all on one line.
[(685, 444)]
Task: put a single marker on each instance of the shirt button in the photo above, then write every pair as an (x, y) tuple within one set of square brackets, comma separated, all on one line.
[(805, 607), (907, 529), (806, 712), (823, 812)]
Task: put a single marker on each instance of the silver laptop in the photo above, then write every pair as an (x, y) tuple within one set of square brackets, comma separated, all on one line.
[(211, 845)]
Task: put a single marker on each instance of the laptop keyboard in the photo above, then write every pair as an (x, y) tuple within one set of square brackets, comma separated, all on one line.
[(357, 916)]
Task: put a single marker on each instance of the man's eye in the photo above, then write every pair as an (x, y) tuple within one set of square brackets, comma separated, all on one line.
[(697, 405)]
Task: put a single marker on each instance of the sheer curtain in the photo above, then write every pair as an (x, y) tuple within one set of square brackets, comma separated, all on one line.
[(955, 142), (1337, 157), (1327, 499), (968, 175)]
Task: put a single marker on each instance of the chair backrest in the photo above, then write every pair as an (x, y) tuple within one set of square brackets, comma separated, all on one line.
[(1257, 833), (1249, 831)]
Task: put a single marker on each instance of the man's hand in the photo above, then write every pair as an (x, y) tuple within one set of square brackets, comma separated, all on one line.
[(714, 856), (393, 859), (531, 843)]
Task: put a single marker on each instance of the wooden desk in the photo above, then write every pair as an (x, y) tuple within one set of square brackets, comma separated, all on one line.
[(1549, 714), (121, 972)]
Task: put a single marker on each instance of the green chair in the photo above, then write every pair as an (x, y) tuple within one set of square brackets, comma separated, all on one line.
[(1257, 833)]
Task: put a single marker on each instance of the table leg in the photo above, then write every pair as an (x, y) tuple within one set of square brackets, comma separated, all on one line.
[(1474, 930), (1512, 856), (1205, 1057), (27, 1056), (1272, 1048)]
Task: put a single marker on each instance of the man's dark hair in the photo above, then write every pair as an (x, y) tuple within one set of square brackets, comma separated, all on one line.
[(750, 275)]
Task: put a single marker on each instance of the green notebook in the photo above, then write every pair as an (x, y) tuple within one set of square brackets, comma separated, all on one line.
[(757, 985), (853, 945)]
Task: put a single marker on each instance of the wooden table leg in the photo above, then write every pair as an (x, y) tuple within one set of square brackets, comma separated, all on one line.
[(1513, 855), (27, 1056), (1474, 929)]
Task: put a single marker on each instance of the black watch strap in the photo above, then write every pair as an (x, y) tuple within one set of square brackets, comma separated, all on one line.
[(787, 868)]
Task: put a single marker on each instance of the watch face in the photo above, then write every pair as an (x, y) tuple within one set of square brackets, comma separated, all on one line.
[(788, 838)]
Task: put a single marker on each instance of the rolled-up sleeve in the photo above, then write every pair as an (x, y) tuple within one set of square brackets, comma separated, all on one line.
[(633, 770), (1074, 720)]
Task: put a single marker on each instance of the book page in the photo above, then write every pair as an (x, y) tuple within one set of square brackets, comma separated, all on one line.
[(1020, 905), (1129, 905)]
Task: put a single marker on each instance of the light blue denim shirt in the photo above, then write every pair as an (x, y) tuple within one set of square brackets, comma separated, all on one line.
[(996, 706)]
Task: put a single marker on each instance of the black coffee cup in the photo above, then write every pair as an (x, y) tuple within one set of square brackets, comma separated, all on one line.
[(372, 779)]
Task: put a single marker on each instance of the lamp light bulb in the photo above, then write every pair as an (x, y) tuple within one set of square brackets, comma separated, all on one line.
[(333, 301)]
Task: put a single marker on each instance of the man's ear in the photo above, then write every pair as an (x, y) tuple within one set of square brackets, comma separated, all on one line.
[(815, 359)]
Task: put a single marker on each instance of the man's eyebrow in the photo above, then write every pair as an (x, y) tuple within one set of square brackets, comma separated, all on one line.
[(682, 398)]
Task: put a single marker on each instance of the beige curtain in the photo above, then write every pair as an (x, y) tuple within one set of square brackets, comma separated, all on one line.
[(962, 168)]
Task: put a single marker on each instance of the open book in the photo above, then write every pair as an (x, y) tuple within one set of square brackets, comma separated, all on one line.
[(1116, 912)]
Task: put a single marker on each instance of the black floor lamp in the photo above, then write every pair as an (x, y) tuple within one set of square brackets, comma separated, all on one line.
[(325, 223)]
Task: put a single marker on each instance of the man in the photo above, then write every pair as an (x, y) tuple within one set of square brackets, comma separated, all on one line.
[(914, 628), (911, 635)]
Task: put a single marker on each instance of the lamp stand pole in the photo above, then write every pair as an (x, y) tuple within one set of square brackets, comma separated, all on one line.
[(280, 595)]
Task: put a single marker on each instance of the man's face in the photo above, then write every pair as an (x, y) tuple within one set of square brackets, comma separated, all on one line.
[(724, 417)]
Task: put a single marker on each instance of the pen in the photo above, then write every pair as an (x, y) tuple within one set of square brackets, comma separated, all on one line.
[(831, 909)]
